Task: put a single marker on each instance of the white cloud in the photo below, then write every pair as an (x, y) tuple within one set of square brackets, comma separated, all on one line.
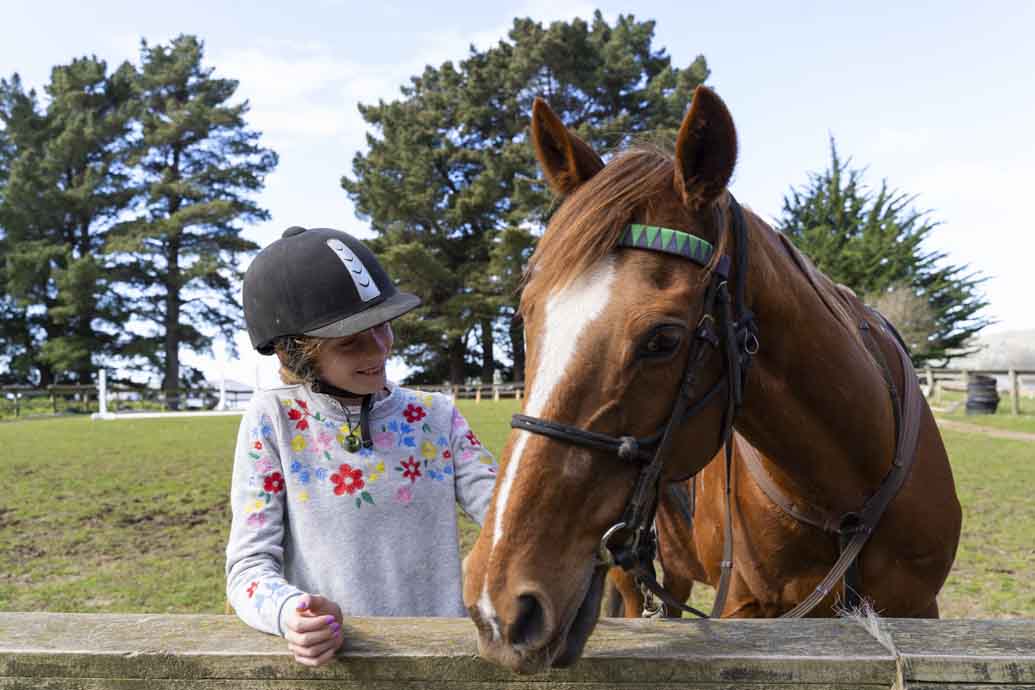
[(308, 90)]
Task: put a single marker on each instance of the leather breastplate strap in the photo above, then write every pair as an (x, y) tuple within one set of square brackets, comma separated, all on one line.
[(854, 529), (911, 405)]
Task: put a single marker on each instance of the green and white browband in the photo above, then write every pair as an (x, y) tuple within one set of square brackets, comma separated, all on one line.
[(668, 241)]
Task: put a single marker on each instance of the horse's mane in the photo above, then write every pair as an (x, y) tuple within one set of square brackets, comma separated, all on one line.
[(588, 225)]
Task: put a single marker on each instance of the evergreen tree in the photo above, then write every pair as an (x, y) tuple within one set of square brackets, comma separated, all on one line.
[(197, 163), (66, 182), (450, 183), (14, 332), (874, 242)]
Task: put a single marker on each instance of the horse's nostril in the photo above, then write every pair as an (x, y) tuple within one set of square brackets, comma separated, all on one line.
[(529, 626)]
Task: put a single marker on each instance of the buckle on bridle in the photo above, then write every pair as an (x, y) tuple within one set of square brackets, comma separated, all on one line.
[(652, 606), (751, 344), (604, 556)]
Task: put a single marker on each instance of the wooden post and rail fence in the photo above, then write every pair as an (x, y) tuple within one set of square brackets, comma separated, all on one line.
[(18, 401), (44, 651)]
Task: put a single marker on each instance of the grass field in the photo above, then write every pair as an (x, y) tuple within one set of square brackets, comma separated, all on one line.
[(952, 407), (132, 515)]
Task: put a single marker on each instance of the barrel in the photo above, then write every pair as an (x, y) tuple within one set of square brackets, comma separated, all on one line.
[(982, 396)]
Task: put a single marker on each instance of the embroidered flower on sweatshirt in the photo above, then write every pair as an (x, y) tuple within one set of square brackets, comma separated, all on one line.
[(384, 441), (266, 426), (379, 469), (410, 469), (299, 419), (274, 483), (347, 480), (324, 441), (414, 413)]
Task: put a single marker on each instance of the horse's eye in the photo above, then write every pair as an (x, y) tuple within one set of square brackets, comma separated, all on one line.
[(661, 342)]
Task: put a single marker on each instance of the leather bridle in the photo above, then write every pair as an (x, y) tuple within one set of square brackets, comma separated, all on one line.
[(725, 325)]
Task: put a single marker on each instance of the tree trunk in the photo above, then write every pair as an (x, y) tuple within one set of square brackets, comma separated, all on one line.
[(46, 374), (84, 368), (488, 358), (84, 327), (171, 383), (457, 353), (517, 347), (172, 297)]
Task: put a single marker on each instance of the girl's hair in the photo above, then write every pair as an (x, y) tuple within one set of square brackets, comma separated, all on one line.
[(297, 354)]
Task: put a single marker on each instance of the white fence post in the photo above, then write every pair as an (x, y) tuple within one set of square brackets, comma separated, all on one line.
[(1015, 392), (102, 393), (222, 393), (102, 397)]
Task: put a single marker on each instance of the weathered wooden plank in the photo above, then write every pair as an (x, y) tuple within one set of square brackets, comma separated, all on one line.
[(520, 683), (159, 651), (960, 652), (965, 686)]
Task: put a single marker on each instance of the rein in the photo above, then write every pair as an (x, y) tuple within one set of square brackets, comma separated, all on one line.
[(724, 325)]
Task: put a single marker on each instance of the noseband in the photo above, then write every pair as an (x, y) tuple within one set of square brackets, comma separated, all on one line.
[(725, 325)]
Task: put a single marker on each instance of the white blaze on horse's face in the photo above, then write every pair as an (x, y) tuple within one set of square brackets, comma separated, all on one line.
[(568, 312)]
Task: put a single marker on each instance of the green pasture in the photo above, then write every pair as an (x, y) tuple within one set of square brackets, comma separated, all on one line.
[(130, 516), (951, 406)]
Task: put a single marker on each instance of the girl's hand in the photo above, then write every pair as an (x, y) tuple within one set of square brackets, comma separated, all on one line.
[(314, 630)]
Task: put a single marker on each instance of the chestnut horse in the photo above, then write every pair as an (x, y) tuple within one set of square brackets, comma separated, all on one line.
[(609, 328)]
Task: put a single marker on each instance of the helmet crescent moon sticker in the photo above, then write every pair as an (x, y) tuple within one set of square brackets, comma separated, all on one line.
[(365, 285)]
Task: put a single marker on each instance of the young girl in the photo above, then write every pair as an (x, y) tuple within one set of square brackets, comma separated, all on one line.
[(344, 484)]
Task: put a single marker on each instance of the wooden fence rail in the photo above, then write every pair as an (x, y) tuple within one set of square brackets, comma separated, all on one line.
[(1018, 383), (159, 652), (935, 381)]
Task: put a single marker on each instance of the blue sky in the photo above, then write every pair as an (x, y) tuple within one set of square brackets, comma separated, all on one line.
[(936, 97)]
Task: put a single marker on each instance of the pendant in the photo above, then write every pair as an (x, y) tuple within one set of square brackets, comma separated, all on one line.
[(352, 442)]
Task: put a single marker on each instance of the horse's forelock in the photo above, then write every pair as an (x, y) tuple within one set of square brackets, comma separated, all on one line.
[(588, 225)]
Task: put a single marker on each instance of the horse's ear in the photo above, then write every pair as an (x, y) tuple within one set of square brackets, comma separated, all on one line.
[(706, 150), (567, 161)]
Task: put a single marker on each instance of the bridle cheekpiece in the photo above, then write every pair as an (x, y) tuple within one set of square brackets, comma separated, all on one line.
[(725, 325)]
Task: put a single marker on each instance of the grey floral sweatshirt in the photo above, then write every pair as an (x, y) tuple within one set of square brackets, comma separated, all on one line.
[(374, 531)]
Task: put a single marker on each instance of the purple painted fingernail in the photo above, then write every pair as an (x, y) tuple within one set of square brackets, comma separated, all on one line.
[(302, 605), (336, 628), (330, 620)]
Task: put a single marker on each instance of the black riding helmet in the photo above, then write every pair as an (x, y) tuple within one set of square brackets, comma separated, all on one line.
[(318, 282)]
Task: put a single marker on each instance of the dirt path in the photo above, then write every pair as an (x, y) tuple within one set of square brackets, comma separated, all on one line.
[(987, 430)]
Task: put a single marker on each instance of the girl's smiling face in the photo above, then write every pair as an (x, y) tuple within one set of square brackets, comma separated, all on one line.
[(357, 362)]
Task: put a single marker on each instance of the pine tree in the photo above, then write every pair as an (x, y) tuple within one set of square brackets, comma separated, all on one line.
[(197, 163), (450, 183), (874, 242), (66, 183), (15, 339)]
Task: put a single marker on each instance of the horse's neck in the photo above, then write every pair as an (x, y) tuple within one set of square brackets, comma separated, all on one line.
[(816, 403)]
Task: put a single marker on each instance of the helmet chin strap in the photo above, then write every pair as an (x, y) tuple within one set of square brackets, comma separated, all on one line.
[(321, 386)]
